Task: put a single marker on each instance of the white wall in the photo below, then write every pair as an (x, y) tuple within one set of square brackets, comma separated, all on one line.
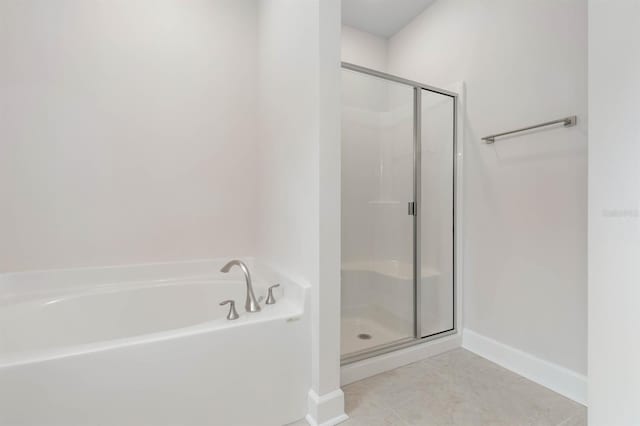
[(364, 49), (522, 62), (126, 131), (129, 132), (288, 148), (299, 150), (614, 203)]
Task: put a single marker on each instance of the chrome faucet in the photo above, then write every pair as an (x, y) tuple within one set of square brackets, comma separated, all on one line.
[(233, 314), (251, 304)]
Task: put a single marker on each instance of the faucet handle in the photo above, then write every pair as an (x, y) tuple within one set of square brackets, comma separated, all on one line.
[(270, 299), (233, 314)]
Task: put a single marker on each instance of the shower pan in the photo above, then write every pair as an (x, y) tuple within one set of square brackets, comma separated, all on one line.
[(398, 213)]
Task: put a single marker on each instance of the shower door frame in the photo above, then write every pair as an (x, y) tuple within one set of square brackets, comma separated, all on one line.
[(417, 229)]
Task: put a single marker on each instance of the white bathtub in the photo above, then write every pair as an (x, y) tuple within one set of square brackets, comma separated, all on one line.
[(151, 346)]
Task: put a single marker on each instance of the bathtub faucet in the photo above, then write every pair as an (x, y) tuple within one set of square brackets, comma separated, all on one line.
[(251, 304)]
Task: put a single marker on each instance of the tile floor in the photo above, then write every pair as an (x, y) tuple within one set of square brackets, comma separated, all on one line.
[(456, 388)]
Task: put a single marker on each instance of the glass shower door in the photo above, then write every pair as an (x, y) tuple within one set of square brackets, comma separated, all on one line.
[(435, 178), (378, 292)]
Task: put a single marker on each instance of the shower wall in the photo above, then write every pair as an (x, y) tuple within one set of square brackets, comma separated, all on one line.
[(377, 168), (371, 51), (377, 183), (359, 162)]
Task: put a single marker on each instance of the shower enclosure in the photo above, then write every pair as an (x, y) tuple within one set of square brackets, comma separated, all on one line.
[(398, 201)]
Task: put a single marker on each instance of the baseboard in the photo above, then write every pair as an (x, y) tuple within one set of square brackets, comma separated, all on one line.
[(370, 367), (559, 379), (326, 410)]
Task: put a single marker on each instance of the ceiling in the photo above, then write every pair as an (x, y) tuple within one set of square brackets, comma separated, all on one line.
[(381, 17)]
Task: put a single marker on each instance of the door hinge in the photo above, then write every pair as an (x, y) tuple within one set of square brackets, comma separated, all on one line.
[(411, 209)]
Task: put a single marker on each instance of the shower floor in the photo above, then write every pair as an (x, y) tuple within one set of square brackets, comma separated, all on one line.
[(365, 331)]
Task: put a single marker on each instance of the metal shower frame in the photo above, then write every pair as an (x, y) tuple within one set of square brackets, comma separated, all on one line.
[(417, 229)]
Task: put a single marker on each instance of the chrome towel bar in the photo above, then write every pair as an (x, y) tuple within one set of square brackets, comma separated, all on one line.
[(567, 121)]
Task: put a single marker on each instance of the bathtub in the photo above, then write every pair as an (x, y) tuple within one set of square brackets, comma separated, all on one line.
[(150, 345)]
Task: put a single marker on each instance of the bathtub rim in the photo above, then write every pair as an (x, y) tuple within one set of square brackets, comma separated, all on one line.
[(292, 308), (32, 357)]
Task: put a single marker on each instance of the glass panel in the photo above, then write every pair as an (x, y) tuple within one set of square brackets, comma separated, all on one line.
[(377, 232), (436, 213)]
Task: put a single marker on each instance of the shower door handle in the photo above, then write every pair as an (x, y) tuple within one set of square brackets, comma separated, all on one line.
[(411, 208)]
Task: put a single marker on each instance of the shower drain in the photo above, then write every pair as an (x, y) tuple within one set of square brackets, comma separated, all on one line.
[(364, 336)]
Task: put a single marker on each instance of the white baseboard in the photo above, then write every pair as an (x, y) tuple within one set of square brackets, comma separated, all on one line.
[(326, 410), (370, 367), (559, 379)]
